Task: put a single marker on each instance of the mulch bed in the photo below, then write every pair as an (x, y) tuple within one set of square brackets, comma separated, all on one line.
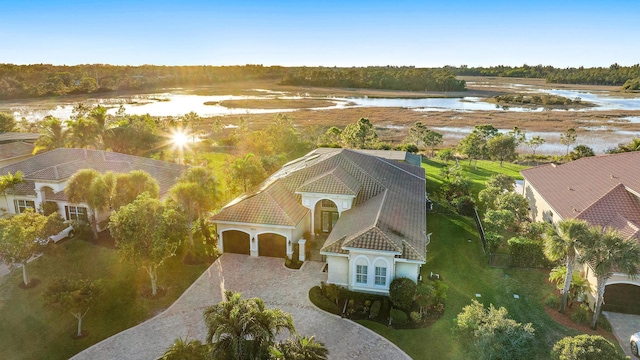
[(32, 283)]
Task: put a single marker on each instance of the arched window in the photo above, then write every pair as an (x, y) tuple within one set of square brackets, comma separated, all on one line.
[(380, 275)]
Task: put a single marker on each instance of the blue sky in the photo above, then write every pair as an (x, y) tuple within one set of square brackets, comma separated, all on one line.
[(561, 33)]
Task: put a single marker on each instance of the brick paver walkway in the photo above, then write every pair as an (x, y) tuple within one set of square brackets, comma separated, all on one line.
[(263, 277)]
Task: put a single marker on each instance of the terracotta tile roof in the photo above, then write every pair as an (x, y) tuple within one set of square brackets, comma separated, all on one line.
[(337, 181), (15, 149), (274, 206), (388, 212), (59, 164), (618, 209), (572, 187)]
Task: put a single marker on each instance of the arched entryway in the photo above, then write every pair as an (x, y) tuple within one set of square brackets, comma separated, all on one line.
[(273, 245), (622, 298), (237, 242), (326, 216)]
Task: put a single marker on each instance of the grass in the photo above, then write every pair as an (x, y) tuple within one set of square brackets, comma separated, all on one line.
[(29, 330), (462, 266)]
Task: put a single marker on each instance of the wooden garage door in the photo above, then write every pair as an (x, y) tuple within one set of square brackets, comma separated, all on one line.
[(272, 245), (622, 298), (235, 241)]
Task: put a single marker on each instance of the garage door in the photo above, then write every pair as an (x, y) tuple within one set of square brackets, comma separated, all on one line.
[(236, 242), (622, 298), (272, 245)]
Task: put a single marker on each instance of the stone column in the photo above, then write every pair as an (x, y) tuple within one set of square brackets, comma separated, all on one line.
[(302, 249)]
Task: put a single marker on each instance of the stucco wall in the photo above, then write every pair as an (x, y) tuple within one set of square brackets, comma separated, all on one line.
[(617, 278), (371, 260), (540, 209), (408, 270), (338, 272)]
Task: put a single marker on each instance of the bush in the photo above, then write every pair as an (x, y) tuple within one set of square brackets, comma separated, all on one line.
[(316, 297), (398, 317), (415, 316), (375, 309), (401, 293), (82, 230), (581, 315), (332, 292), (526, 253), (552, 302), (464, 205), (585, 347)]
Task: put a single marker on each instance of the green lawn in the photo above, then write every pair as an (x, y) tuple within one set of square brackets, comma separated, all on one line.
[(462, 265), (28, 330)]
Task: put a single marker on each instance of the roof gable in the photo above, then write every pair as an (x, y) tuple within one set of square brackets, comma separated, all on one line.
[(336, 181)]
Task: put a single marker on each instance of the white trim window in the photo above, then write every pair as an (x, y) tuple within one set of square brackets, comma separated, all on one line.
[(22, 205), (361, 274), (78, 213), (381, 276)]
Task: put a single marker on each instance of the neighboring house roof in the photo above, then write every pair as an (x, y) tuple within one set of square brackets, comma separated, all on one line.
[(6, 137), (15, 149), (60, 164), (603, 190), (388, 212)]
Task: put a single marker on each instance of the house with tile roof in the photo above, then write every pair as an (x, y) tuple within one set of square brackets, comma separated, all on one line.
[(370, 211), (13, 152), (46, 175), (602, 190)]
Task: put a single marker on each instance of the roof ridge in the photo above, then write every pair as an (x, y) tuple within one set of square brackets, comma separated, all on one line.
[(286, 214), (601, 197), (384, 197), (360, 168), (405, 242), (397, 167)]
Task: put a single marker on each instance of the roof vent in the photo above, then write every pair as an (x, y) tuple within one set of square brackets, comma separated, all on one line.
[(553, 165), (570, 188), (613, 176)]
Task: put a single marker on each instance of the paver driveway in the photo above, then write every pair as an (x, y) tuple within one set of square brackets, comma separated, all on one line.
[(262, 277), (623, 326)]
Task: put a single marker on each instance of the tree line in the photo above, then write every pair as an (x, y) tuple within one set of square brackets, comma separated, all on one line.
[(613, 75)]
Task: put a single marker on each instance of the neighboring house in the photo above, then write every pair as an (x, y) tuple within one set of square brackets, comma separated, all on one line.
[(9, 137), (370, 211), (46, 176), (602, 190), (14, 151)]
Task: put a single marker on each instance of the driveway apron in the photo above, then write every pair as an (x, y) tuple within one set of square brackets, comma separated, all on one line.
[(262, 277), (623, 326)]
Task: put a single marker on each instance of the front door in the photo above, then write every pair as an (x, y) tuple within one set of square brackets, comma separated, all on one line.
[(329, 220)]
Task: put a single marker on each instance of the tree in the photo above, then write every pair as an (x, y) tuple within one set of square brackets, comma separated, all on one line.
[(196, 193), (53, 135), (285, 137), (181, 349), (496, 185), (581, 151), (361, 135), (433, 139), (402, 292), (331, 138), (130, 185), (73, 295), (585, 347), (247, 171), (82, 133), (9, 182), (424, 296), (446, 155), (82, 187), (519, 135), (561, 243), (300, 348), (147, 233), (494, 335), (568, 138), (7, 122), (515, 203), (502, 147), (534, 143), (606, 251), (18, 239), (474, 145), (500, 220), (243, 328)]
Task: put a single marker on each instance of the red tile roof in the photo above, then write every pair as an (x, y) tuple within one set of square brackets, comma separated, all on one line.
[(14, 150)]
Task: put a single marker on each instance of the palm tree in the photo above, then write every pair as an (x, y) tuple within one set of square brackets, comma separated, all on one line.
[(243, 328), (300, 348), (53, 135), (561, 243), (182, 349), (82, 133), (90, 187), (98, 115), (10, 181), (605, 252)]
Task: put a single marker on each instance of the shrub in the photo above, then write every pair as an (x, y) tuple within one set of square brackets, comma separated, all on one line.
[(416, 317), (375, 309), (464, 205), (316, 297), (401, 293), (585, 347), (398, 317), (581, 315), (332, 292), (526, 253), (82, 229), (552, 302)]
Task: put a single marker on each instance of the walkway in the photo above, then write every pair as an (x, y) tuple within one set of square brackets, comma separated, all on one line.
[(263, 277)]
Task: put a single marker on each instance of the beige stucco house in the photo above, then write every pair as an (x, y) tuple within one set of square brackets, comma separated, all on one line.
[(46, 176), (602, 190), (368, 207)]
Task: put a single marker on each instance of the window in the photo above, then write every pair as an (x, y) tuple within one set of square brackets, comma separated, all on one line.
[(381, 276), (361, 274), (22, 205), (326, 203), (76, 213)]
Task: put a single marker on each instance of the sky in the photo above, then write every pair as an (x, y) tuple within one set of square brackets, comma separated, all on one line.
[(427, 33)]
